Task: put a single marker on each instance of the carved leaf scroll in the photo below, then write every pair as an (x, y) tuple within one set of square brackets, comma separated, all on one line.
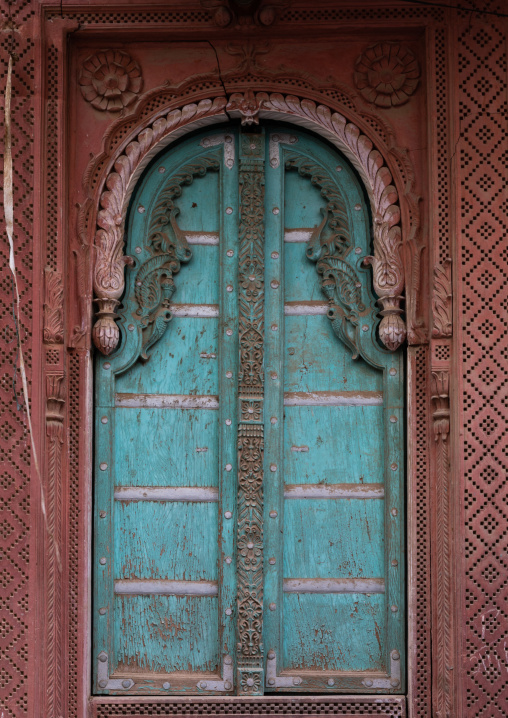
[(53, 307), (329, 246), (154, 285), (442, 299)]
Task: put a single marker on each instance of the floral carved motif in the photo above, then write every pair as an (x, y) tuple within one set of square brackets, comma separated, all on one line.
[(388, 270), (110, 80), (53, 306), (442, 300), (154, 285), (387, 74)]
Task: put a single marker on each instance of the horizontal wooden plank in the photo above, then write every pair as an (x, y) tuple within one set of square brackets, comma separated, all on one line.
[(204, 238), (302, 309), (166, 588), (334, 585), (193, 494), (334, 632), (194, 310), (333, 491), (160, 460), (165, 634), (333, 398), (355, 454), (298, 235), (166, 401)]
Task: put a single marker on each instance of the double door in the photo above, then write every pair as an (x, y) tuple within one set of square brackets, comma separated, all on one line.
[(249, 457)]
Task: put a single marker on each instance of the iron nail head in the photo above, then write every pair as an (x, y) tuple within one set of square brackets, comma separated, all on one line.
[(166, 686), (358, 250), (331, 682), (229, 210), (272, 606), (228, 515), (126, 684), (138, 250), (273, 514), (102, 561), (104, 420)]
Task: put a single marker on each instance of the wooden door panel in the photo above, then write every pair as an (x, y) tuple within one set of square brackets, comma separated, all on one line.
[(315, 361), (167, 635), (178, 544), (158, 460), (333, 538), (184, 361), (333, 612), (334, 632), (165, 621), (336, 455)]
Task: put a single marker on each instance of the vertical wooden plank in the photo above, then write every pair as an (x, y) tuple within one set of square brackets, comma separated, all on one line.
[(274, 409), (103, 597), (395, 558), (228, 401)]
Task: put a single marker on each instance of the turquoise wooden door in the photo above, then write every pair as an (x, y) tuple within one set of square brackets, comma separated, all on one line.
[(249, 466)]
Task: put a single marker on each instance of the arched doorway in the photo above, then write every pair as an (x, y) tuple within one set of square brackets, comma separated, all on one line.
[(249, 433)]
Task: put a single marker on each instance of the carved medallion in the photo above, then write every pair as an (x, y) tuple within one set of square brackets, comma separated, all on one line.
[(110, 80), (387, 74)]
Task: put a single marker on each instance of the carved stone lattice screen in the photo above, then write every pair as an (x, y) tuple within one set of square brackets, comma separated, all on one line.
[(455, 247)]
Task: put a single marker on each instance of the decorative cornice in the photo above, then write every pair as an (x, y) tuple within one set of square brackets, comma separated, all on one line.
[(442, 300), (388, 270)]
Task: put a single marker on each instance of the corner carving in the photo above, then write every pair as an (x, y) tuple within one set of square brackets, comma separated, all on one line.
[(388, 269), (442, 300), (53, 307)]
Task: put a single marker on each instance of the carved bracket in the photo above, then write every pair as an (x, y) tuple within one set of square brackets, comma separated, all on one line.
[(388, 270), (53, 306), (442, 300)]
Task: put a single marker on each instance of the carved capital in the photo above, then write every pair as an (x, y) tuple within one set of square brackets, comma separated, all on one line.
[(53, 306), (441, 404), (442, 300)]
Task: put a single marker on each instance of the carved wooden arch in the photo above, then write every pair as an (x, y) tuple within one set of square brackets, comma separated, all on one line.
[(127, 166)]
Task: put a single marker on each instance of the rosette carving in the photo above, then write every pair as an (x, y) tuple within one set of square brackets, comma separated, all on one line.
[(387, 74), (110, 80)]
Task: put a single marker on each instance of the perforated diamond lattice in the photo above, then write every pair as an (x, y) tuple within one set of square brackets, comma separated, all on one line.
[(14, 442), (274, 707), (483, 153)]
